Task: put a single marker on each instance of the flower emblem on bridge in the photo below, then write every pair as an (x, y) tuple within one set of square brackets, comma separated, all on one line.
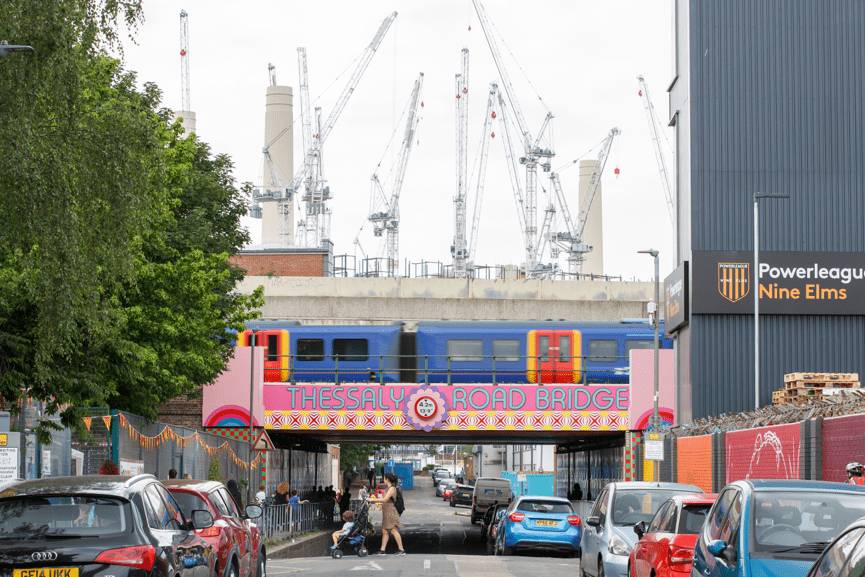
[(426, 409)]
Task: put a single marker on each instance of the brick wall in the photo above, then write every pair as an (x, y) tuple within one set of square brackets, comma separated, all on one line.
[(184, 411), (843, 442), (764, 453), (694, 461), (281, 264)]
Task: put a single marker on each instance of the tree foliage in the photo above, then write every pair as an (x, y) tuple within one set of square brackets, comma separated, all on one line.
[(355, 456), (115, 229)]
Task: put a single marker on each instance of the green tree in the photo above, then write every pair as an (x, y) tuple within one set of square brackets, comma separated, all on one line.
[(214, 472), (356, 455)]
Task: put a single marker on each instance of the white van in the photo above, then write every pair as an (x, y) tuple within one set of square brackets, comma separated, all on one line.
[(489, 490)]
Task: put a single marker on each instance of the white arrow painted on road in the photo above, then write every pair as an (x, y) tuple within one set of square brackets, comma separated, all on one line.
[(371, 566)]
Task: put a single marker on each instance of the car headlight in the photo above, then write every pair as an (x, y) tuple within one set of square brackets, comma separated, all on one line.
[(619, 547)]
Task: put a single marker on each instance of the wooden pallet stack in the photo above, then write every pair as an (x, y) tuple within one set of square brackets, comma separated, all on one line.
[(802, 388)]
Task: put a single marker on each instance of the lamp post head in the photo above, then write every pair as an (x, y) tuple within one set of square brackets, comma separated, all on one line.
[(654, 253), (6, 49), (760, 195)]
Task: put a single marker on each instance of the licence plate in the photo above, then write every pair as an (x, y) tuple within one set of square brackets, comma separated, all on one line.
[(46, 572), (539, 523)]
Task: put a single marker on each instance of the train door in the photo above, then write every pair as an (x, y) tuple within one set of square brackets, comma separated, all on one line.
[(554, 356), (276, 354)]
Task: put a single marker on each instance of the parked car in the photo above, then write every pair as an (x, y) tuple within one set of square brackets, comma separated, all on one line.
[(462, 495), (758, 528), (609, 537), (539, 524), (666, 544), (100, 525), (443, 485), (490, 526), (845, 555), (487, 491), (236, 539), (439, 474)]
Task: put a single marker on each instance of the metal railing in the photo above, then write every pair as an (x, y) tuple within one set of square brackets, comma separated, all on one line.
[(449, 368), (288, 521)]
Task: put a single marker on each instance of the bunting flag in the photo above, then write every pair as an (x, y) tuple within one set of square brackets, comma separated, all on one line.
[(107, 420), (87, 422)]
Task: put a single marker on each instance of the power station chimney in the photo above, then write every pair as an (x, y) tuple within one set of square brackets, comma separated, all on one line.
[(593, 233), (277, 208)]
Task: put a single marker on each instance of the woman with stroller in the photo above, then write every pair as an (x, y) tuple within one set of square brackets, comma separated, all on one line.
[(389, 515)]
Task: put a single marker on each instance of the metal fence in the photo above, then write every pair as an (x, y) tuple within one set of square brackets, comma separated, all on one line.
[(289, 521)]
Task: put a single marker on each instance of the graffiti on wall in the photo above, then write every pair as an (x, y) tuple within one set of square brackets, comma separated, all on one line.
[(306, 406), (764, 453)]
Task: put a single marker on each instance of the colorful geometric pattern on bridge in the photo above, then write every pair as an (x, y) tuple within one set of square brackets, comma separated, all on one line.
[(456, 421)]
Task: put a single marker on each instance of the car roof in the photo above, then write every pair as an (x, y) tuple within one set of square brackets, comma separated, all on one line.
[(652, 485), (113, 485), (704, 499), (800, 485), (193, 485), (542, 498)]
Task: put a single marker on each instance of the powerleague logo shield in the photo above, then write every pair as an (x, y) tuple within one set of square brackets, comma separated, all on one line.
[(734, 280)]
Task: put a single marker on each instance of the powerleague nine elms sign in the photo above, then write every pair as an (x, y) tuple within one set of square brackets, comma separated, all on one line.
[(789, 283)]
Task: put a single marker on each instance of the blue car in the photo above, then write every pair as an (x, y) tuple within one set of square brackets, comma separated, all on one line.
[(773, 528), (539, 524)]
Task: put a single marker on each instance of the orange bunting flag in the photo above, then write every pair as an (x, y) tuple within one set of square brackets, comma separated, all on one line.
[(87, 422), (107, 420)]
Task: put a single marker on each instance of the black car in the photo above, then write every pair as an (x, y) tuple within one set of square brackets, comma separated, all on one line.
[(100, 526), (462, 495), (845, 555)]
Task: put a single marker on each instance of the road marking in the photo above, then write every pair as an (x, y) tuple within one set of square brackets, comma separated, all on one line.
[(371, 566), (426, 563)]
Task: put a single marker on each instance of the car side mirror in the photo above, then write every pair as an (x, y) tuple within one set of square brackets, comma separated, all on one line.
[(253, 511), (640, 529), (201, 519), (593, 521)]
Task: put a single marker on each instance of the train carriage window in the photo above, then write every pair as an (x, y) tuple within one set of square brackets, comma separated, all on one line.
[(603, 350), (565, 351), (641, 344), (310, 349), (465, 350), (351, 349), (544, 348), (272, 348), (506, 350)]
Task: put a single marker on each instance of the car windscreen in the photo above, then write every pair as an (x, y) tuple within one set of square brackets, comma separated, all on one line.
[(58, 517), (801, 523), (541, 506), (630, 506), (189, 502), (691, 519)]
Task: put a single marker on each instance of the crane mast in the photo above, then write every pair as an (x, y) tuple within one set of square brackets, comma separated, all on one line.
[(459, 250), (652, 119), (533, 154), (387, 221), (486, 136), (186, 103)]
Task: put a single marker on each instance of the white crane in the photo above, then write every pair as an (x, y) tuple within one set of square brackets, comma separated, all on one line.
[(533, 154), (571, 239), (314, 227), (487, 135), (655, 132), (459, 247), (185, 100), (386, 220)]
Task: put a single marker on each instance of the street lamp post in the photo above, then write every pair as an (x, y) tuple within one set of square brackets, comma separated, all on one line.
[(6, 49), (249, 490), (656, 421), (757, 197)]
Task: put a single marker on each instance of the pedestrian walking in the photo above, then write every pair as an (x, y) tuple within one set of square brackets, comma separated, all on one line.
[(391, 508)]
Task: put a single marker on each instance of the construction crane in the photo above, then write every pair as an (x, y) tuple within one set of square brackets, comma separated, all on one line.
[(459, 247), (315, 224), (570, 241), (314, 227), (185, 104), (386, 221), (533, 154), (655, 133), (487, 135)]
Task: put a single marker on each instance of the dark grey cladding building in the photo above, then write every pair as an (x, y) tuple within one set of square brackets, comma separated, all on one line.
[(769, 96)]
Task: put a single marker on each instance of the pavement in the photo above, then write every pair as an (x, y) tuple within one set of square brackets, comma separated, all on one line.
[(439, 541)]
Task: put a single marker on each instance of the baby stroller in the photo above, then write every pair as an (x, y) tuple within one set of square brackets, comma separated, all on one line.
[(356, 538)]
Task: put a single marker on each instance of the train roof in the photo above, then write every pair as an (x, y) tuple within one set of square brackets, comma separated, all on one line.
[(261, 325), (636, 323)]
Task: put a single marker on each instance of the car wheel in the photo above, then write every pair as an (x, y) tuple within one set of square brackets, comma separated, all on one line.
[(336, 554), (362, 552)]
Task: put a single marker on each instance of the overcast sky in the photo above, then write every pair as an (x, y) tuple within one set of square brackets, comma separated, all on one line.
[(581, 56)]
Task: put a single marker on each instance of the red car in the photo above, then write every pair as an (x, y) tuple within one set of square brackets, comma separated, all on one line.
[(237, 541), (666, 546)]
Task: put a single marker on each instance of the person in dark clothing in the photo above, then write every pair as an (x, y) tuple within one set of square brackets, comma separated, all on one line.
[(234, 491), (345, 499), (370, 476), (281, 497), (577, 493), (172, 473), (319, 494)]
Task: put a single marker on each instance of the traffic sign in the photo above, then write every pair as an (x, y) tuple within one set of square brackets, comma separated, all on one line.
[(654, 447)]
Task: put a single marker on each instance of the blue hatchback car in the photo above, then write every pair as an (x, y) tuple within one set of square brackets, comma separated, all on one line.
[(539, 524), (773, 528)]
